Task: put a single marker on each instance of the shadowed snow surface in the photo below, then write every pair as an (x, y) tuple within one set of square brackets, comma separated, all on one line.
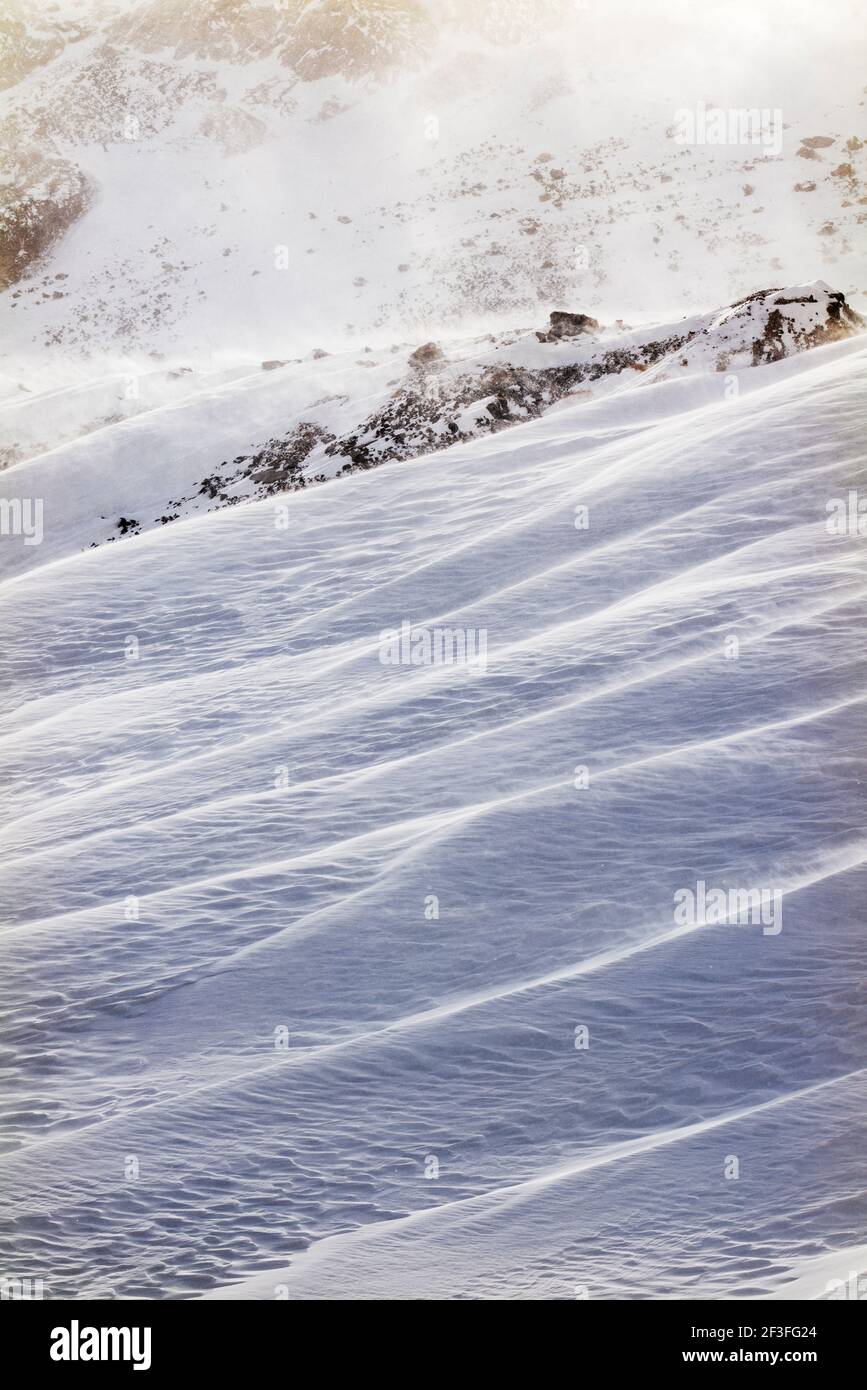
[(217, 859)]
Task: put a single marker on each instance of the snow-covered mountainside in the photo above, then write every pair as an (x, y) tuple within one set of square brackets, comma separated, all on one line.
[(432, 640), (203, 182)]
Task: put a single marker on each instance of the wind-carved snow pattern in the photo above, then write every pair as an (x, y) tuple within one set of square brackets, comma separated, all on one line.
[(313, 937)]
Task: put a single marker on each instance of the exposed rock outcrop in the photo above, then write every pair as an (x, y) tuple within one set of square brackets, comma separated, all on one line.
[(40, 201), (426, 355), (565, 325)]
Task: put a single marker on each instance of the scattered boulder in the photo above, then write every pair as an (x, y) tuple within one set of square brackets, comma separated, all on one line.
[(426, 355), (564, 325), (273, 363), (817, 142)]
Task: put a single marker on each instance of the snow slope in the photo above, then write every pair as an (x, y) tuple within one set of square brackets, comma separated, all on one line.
[(247, 1054), (187, 442)]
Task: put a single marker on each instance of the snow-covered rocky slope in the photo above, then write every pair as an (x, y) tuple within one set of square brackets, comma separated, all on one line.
[(196, 182), (191, 445)]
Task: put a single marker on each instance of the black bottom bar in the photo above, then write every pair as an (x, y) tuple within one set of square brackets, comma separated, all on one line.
[(162, 1338)]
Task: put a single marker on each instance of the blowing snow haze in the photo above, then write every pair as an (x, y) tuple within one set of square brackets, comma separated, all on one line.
[(432, 516), (424, 168)]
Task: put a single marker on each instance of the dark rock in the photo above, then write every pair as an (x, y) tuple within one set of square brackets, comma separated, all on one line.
[(841, 322), (426, 354), (411, 422), (563, 325)]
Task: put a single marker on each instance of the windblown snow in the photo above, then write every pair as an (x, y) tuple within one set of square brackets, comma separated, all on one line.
[(433, 849), (290, 928)]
